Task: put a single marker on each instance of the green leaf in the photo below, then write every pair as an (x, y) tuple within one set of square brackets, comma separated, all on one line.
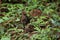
[(17, 19), (5, 38), (1, 20), (1, 30), (5, 18)]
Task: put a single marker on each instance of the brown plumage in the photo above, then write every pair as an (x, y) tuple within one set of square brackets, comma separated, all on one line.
[(35, 12), (25, 19)]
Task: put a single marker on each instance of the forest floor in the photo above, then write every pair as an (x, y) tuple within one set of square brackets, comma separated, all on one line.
[(38, 20)]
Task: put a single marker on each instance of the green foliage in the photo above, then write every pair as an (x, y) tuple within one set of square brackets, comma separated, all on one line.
[(46, 26), (1, 20), (5, 38)]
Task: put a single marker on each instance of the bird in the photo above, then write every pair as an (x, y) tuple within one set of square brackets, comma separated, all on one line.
[(24, 18), (35, 12)]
